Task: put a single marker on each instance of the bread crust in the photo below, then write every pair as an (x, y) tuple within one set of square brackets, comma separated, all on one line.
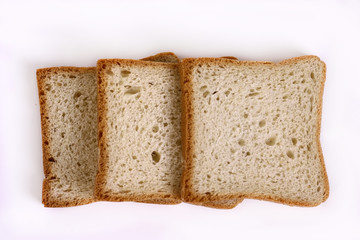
[(41, 75), (187, 193), (167, 57)]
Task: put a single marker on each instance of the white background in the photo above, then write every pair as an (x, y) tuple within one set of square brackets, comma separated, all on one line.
[(35, 34)]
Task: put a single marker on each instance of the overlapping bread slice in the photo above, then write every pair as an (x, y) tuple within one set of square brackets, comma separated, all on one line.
[(68, 105), (139, 131), (251, 129)]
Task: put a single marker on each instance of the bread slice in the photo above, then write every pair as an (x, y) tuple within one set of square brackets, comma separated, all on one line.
[(69, 134), (252, 130), (139, 131), (68, 106)]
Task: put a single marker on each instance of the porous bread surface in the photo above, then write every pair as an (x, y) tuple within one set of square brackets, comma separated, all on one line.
[(139, 126), (69, 128), (253, 129)]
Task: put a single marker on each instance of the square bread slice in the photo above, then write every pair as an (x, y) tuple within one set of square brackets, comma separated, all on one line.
[(252, 129), (139, 130), (68, 106)]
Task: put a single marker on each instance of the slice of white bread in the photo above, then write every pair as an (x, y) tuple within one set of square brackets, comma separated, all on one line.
[(252, 129), (139, 131), (68, 108), (69, 134)]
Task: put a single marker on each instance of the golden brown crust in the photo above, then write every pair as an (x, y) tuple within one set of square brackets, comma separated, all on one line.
[(167, 57), (230, 57), (101, 177), (224, 204), (187, 193), (42, 75)]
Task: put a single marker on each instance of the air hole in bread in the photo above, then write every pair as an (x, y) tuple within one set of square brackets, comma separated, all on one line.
[(290, 154), (77, 95), (252, 94), (46, 143), (203, 88), (276, 117), (205, 94), (134, 157), (125, 73), (246, 115), (131, 90), (51, 159), (155, 157), (247, 154), (271, 141), (155, 129), (228, 92), (294, 141), (291, 73), (312, 75), (232, 150), (241, 142), (72, 76), (62, 134), (308, 147), (109, 72), (208, 176), (262, 123)]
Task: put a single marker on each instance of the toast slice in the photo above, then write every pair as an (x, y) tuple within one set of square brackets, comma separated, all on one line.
[(252, 129), (68, 106), (69, 134), (139, 131)]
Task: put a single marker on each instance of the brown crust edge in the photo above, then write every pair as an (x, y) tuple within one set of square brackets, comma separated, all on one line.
[(167, 57), (187, 193), (41, 75)]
